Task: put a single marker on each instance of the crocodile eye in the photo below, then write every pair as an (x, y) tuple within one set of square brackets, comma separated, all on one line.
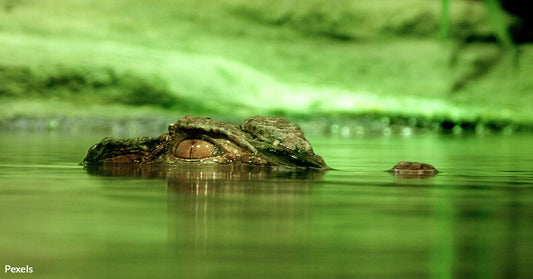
[(196, 149)]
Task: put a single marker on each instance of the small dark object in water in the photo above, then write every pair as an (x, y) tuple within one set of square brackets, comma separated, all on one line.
[(405, 168)]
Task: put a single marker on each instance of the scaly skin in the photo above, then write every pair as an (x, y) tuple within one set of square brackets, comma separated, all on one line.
[(265, 141), (413, 169), (258, 141)]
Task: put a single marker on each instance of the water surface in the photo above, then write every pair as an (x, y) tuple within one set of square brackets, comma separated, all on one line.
[(473, 220)]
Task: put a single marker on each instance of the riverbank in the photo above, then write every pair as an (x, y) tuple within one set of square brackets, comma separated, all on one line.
[(119, 120), (235, 59)]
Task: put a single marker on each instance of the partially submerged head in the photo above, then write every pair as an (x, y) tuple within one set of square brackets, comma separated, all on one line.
[(268, 141)]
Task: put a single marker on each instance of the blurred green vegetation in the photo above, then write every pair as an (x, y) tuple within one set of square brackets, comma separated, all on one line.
[(236, 58), (90, 85)]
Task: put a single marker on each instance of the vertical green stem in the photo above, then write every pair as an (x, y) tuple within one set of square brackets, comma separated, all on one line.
[(445, 19), (498, 23)]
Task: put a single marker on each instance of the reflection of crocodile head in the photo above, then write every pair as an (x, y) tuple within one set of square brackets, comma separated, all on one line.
[(264, 141), (199, 179)]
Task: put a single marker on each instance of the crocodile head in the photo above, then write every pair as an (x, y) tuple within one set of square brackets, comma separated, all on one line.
[(265, 141)]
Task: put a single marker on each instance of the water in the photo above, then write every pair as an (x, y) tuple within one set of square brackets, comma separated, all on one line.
[(473, 220)]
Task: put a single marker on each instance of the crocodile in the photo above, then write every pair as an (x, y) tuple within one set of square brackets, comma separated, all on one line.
[(258, 141)]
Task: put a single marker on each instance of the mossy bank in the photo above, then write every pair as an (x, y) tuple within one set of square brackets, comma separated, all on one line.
[(373, 66)]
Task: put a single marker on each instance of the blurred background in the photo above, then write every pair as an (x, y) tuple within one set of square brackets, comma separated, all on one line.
[(359, 76), (337, 67)]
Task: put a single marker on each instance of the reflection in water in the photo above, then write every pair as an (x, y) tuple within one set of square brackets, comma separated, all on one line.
[(485, 236), (234, 179), (229, 210), (222, 215), (211, 179), (473, 220)]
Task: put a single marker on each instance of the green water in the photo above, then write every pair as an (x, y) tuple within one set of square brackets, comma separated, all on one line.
[(474, 220)]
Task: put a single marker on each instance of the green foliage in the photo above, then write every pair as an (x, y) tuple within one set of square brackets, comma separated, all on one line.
[(495, 18), (498, 23), (95, 85), (14, 82), (240, 57), (445, 20), (344, 20)]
